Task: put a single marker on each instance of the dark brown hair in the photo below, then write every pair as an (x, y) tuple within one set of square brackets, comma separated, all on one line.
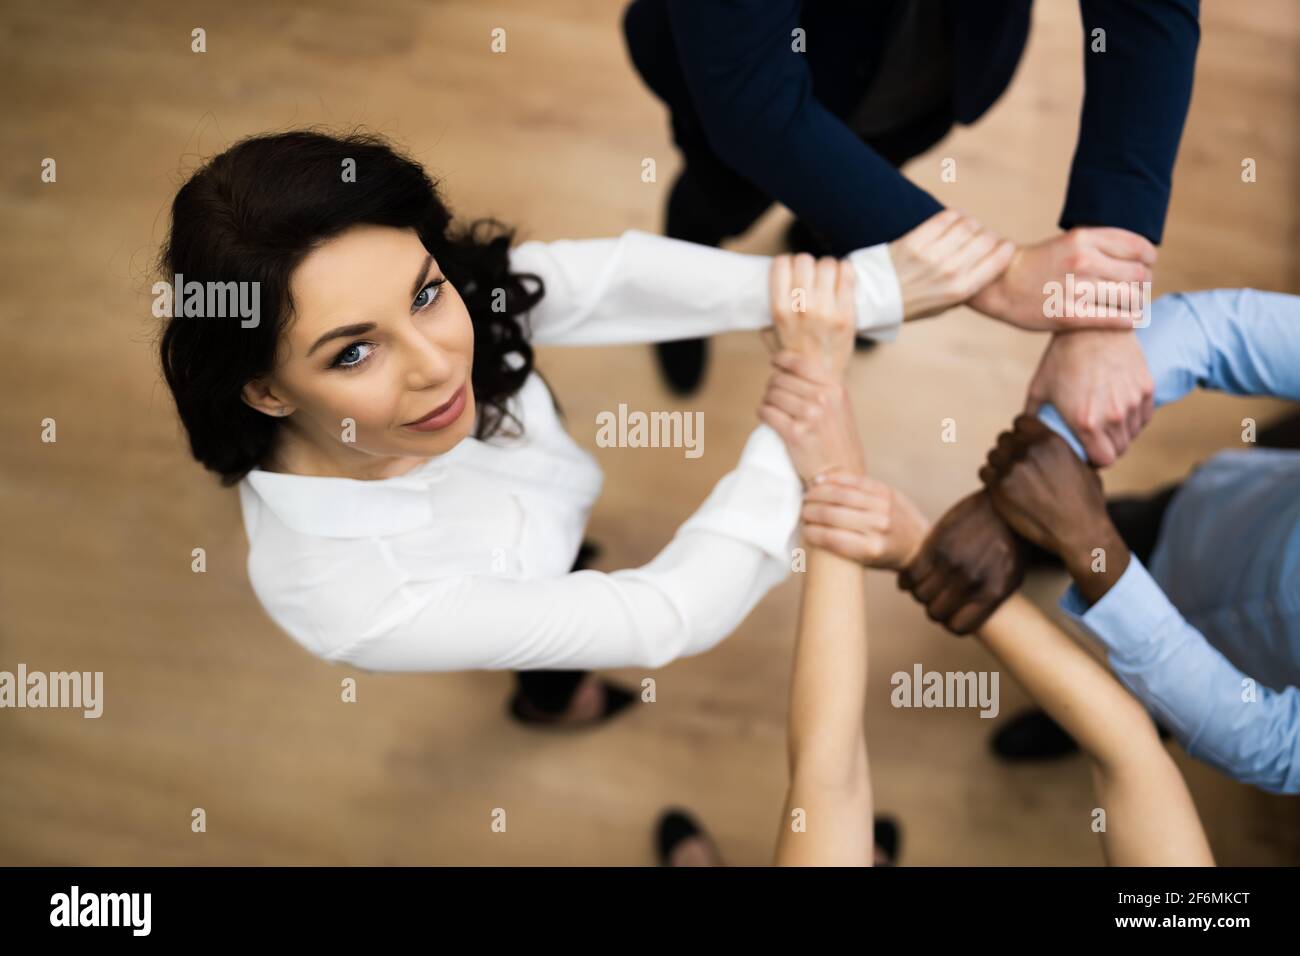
[(254, 212)]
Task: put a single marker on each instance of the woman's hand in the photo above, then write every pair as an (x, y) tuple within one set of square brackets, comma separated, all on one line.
[(946, 260), (1101, 268), (814, 309), (812, 413), (863, 520)]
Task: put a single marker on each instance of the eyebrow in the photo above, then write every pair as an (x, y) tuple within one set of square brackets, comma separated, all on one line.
[(419, 279), (342, 332), (361, 328)]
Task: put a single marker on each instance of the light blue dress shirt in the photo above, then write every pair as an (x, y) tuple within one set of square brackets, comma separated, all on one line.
[(1209, 639)]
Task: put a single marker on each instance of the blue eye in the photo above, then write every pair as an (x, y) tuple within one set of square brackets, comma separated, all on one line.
[(431, 291), (352, 356), (348, 358)]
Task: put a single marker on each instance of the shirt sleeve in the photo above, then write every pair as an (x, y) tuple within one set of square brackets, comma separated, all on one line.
[(754, 95), (642, 288), (1137, 90), (1239, 341), (1217, 713), (694, 593)]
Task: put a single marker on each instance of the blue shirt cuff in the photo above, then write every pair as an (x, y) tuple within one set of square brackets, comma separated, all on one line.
[(1050, 417), (1133, 613)]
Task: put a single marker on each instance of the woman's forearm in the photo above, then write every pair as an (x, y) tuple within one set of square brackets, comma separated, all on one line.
[(1149, 815), (1068, 683), (828, 813), (828, 682), (642, 288)]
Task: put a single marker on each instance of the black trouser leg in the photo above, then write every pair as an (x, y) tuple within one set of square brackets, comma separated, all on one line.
[(1138, 520), (551, 691), (710, 201), (700, 214), (707, 206)]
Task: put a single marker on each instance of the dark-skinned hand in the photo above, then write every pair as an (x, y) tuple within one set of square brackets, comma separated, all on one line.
[(969, 564), (1048, 495)]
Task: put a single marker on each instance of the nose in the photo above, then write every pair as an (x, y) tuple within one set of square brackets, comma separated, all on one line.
[(426, 364)]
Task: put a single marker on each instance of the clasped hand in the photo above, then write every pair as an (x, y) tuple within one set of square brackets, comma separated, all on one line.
[(805, 401)]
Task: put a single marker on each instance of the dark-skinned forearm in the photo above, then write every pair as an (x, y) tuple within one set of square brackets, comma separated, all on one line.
[(1092, 577)]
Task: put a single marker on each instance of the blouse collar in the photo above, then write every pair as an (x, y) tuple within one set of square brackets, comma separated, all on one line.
[(351, 507)]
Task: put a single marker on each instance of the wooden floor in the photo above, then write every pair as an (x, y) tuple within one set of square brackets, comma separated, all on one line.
[(209, 705)]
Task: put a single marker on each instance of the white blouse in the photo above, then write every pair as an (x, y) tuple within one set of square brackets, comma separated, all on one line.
[(464, 562)]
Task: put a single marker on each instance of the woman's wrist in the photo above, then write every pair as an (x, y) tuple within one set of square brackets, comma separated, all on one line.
[(852, 466), (923, 294), (913, 547), (926, 289)]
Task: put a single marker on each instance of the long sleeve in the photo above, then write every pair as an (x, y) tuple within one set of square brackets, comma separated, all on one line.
[(1239, 341), (644, 288), (1135, 103), (754, 96), (694, 593), (1217, 713)]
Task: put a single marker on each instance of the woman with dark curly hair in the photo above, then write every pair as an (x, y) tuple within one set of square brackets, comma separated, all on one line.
[(411, 498)]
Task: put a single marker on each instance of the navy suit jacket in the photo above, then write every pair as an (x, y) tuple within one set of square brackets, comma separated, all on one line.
[(776, 116)]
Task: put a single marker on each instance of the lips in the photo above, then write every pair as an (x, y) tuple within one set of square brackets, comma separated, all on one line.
[(443, 415)]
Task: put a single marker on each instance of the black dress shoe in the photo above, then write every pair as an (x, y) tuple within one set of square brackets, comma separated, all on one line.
[(617, 700), (888, 838), (682, 364), (1032, 735), (674, 828)]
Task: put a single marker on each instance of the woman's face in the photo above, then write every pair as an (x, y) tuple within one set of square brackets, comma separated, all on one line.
[(379, 339)]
